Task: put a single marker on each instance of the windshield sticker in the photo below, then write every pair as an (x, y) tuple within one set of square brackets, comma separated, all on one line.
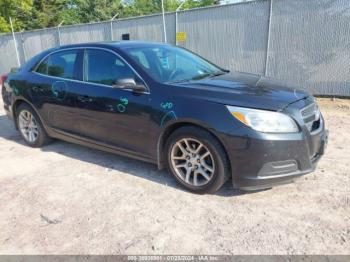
[(165, 62)]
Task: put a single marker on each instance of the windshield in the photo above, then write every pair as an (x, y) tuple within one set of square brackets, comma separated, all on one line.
[(172, 64)]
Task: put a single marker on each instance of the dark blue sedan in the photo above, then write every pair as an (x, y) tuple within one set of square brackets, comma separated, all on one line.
[(165, 105)]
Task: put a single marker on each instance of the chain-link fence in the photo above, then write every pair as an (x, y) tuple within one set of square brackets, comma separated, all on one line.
[(297, 41)]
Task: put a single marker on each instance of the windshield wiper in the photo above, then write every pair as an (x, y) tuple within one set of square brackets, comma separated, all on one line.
[(202, 76), (179, 81), (198, 77), (219, 73)]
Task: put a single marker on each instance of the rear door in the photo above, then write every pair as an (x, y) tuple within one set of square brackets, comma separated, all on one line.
[(114, 116), (54, 87)]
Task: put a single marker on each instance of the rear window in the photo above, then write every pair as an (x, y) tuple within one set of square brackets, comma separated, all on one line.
[(59, 64)]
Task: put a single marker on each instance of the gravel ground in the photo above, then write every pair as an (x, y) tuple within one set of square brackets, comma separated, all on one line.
[(67, 199)]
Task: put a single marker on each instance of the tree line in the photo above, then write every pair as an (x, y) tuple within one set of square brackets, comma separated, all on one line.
[(36, 14)]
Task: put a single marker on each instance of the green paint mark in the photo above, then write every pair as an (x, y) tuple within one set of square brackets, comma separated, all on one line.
[(121, 108), (124, 101), (166, 105), (16, 91), (168, 117)]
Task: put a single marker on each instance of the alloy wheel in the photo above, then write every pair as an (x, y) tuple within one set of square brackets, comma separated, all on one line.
[(28, 126), (192, 161)]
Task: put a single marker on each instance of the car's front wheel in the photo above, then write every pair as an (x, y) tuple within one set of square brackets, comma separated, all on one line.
[(197, 160), (30, 127)]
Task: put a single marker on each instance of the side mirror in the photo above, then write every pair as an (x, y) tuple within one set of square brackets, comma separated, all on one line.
[(129, 83)]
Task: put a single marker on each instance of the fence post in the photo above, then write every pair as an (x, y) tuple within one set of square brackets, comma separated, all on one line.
[(268, 38), (112, 19), (176, 20), (15, 42), (59, 36), (23, 47), (111, 30), (164, 26), (59, 33)]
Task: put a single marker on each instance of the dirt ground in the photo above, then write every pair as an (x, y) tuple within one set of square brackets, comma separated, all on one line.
[(67, 199)]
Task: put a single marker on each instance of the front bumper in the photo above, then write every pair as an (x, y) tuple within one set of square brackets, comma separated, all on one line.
[(268, 160)]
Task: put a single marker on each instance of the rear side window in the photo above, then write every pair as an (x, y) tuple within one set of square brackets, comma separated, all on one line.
[(59, 64), (103, 67), (42, 68)]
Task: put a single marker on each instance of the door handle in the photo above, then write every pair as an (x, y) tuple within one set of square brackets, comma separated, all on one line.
[(85, 99), (38, 89)]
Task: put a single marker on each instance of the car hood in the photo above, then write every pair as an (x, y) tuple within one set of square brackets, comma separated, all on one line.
[(243, 89)]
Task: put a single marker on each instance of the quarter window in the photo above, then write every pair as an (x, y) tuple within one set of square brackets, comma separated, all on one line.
[(103, 67)]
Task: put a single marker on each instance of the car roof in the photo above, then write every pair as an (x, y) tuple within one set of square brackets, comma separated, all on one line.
[(110, 45), (115, 44)]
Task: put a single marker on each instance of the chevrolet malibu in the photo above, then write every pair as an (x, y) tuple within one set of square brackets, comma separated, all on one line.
[(166, 105)]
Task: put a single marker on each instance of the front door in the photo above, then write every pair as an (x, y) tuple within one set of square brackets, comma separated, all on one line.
[(107, 114)]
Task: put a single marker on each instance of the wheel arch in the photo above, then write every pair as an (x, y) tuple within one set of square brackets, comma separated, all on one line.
[(171, 129), (19, 102)]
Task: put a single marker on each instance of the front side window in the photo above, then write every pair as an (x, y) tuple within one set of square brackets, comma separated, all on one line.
[(172, 64), (103, 67), (60, 64)]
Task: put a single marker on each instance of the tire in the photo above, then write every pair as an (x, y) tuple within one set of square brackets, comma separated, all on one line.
[(214, 166), (41, 138)]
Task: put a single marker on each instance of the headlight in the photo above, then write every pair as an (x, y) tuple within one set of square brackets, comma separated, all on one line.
[(264, 121)]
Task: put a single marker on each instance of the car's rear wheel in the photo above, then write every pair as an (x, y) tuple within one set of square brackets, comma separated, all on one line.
[(197, 160), (30, 127)]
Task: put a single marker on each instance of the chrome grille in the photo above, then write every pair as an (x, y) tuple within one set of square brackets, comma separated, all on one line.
[(311, 116)]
